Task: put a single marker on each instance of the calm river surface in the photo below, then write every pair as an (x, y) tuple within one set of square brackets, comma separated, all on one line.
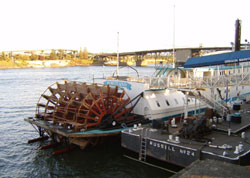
[(19, 92)]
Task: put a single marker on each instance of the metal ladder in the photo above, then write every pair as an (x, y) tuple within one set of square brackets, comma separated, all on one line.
[(143, 147)]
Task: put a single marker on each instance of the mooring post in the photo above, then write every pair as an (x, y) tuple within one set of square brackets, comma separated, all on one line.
[(41, 132)]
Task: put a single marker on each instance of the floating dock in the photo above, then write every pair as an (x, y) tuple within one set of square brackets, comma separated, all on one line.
[(227, 141)]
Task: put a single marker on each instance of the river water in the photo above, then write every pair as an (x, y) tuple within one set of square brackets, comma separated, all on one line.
[(20, 90)]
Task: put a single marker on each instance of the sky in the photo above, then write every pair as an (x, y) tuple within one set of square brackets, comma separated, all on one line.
[(142, 24)]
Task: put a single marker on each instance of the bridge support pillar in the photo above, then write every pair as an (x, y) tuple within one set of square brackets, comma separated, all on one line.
[(138, 59), (182, 55)]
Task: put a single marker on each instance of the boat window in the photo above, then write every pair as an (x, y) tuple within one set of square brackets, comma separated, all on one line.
[(176, 101), (167, 102), (158, 104)]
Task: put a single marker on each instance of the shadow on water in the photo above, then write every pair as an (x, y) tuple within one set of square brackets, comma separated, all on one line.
[(105, 160)]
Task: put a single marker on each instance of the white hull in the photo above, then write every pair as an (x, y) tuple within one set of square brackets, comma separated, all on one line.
[(157, 103)]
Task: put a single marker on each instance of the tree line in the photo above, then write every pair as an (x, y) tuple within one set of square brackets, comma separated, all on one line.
[(54, 55)]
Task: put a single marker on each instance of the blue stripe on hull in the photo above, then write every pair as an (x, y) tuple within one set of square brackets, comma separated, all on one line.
[(202, 110)]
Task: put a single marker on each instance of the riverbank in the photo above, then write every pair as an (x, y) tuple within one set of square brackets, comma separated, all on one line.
[(19, 64)]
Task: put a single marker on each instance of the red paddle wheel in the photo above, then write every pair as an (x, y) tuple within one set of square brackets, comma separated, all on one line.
[(79, 106)]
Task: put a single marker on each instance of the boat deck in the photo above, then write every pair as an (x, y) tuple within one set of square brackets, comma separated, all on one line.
[(71, 133), (245, 121)]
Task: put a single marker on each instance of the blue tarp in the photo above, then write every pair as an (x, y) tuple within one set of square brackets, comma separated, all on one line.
[(218, 59)]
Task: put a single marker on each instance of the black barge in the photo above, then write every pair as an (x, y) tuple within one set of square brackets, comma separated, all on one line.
[(227, 140)]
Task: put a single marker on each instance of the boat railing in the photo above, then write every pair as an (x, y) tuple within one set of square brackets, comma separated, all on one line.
[(163, 82), (172, 82), (210, 100), (245, 79), (209, 82), (194, 82)]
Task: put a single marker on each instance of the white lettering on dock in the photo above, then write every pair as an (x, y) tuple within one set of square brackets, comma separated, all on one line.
[(171, 148), (186, 152)]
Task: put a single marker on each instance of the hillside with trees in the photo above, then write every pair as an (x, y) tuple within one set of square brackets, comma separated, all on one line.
[(21, 59)]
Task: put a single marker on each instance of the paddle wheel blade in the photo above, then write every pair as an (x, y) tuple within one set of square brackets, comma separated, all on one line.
[(77, 106)]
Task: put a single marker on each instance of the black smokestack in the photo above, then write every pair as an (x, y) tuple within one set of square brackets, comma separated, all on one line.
[(237, 35)]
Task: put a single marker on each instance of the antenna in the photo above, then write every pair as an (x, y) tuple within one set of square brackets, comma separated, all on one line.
[(174, 38), (117, 66)]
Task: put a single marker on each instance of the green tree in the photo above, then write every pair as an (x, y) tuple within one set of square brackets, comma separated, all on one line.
[(61, 54), (25, 57), (2, 57), (33, 56), (52, 55), (81, 54), (85, 53), (5, 57)]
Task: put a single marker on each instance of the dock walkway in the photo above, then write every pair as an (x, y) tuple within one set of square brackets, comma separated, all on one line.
[(213, 168)]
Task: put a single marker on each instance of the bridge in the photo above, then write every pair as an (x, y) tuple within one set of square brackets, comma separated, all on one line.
[(181, 54)]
